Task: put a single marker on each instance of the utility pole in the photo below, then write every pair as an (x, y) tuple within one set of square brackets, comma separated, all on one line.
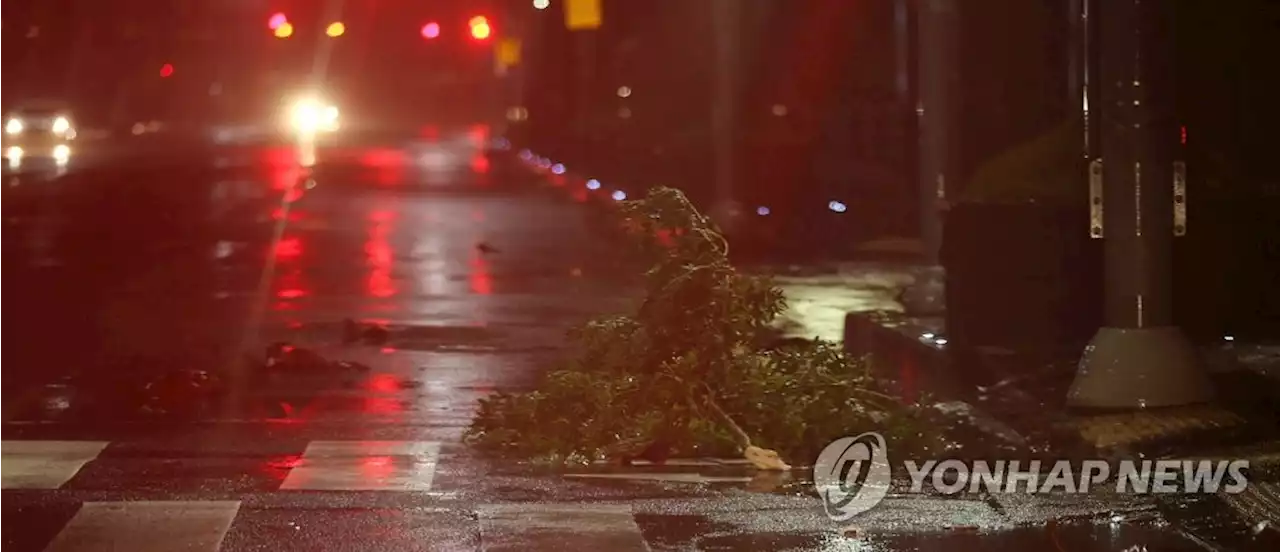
[(936, 28), (725, 23), (1140, 358)]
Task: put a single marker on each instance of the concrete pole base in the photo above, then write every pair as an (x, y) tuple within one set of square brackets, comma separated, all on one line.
[(1131, 368)]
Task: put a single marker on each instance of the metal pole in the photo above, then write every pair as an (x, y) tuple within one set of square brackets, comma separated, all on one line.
[(937, 69), (1140, 359)]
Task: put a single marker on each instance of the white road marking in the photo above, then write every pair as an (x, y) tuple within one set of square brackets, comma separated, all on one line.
[(145, 526), (365, 466), (558, 527), (44, 464)]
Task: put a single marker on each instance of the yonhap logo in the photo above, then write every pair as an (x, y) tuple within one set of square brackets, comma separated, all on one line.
[(852, 475)]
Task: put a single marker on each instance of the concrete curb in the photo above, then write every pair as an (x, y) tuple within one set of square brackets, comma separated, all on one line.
[(917, 352)]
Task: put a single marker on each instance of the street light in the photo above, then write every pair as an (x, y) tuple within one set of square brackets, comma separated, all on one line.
[(276, 21), (285, 30), (335, 29), (541, 4), (431, 30)]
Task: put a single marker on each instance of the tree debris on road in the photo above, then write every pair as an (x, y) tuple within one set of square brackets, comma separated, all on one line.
[(685, 374)]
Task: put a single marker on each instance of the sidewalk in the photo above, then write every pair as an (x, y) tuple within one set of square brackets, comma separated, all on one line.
[(1029, 390)]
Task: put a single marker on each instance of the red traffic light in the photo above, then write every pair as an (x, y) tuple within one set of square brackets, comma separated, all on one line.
[(166, 70), (431, 30)]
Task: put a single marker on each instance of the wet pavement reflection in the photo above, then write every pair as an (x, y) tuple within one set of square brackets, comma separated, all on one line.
[(155, 308)]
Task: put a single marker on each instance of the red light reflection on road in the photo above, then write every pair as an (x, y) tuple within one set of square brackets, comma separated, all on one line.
[(283, 157), (378, 250), (480, 164), (289, 248), (285, 173), (380, 283), (290, 286), (383, 405), (286, 463), (390, 176), (481, 279), (479, 135), (388, 163), (278, 468), (278, 214), (383, 157), (384, 383), (376, 468)]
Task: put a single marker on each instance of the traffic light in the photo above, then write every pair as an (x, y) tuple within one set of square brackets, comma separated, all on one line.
[(166, 70), (276, 21), (480, 28), (431, 30)]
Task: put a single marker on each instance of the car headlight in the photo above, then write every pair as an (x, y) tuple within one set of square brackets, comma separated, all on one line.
[(312, 116), (61, 125), (13, 126)]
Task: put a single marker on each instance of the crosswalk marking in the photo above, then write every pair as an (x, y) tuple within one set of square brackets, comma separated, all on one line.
[(365, 466), (145, 526), (557, 527), (44, 464)]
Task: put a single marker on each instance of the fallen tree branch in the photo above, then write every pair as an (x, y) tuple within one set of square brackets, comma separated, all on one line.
[(740, 436), (687, 378)]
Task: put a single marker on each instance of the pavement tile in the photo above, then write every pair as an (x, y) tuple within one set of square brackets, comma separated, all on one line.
[(341, 529), (1116, 430)]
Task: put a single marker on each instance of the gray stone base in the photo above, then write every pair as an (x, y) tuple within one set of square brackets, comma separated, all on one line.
[(1124, 368)]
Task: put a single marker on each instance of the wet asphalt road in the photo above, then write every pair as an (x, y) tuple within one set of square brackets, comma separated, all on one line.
[(193, 262)]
